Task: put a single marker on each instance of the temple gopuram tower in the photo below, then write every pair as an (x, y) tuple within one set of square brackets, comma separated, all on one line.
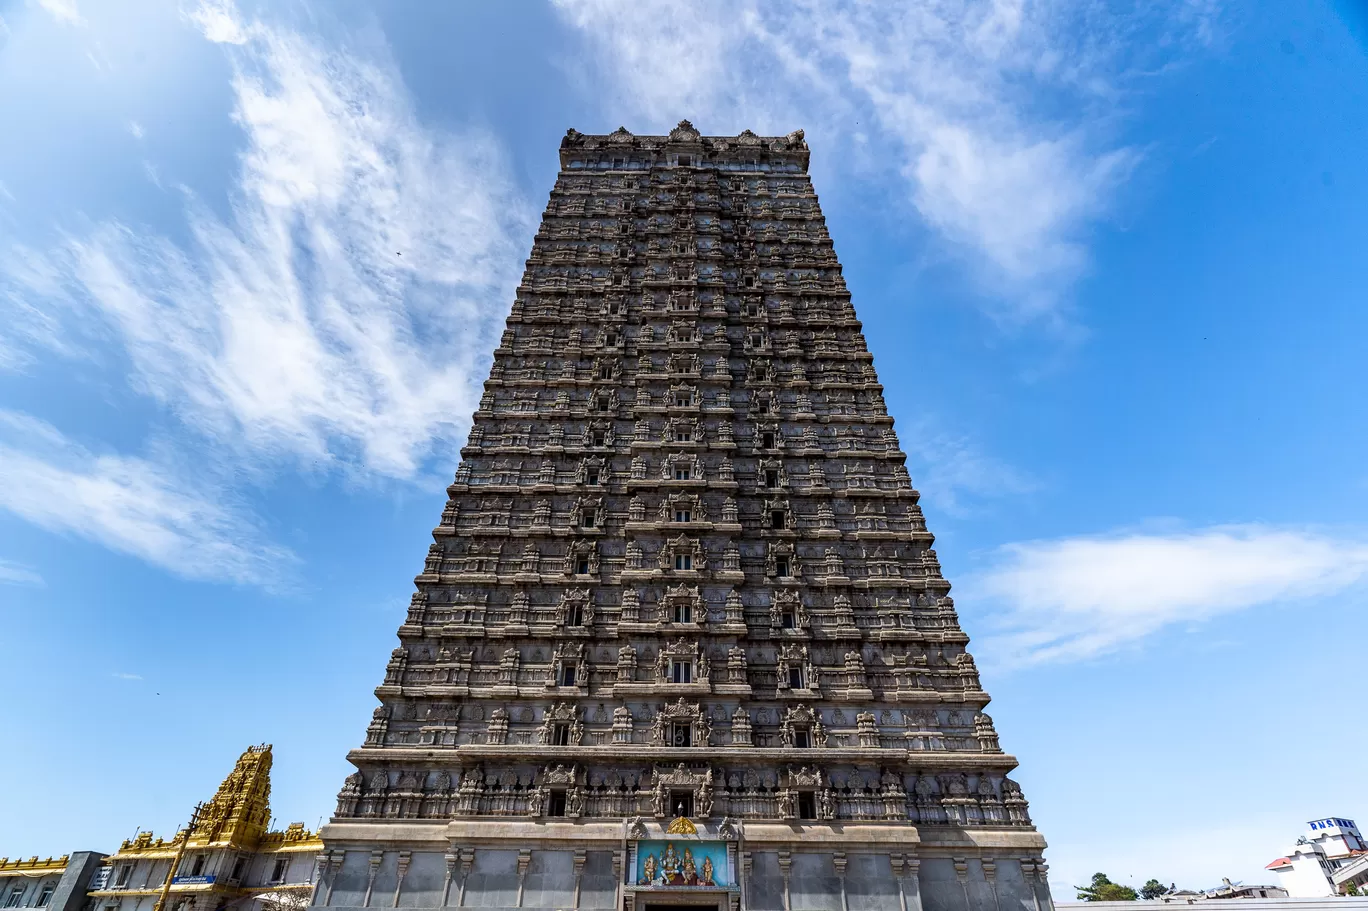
[(681, 638)]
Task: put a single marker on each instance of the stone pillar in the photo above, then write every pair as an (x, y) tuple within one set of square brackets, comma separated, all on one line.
[(580, 856), (524, 858), (404, 858), (990, 876), (745, 872), (619, 859), (467, 861), (331, 864), (452, 858), (1034, 870), (838, 860), (785, 862), (905, 870), (375, 858)]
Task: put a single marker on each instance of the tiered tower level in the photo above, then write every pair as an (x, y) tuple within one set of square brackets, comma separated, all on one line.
[(681, 636)]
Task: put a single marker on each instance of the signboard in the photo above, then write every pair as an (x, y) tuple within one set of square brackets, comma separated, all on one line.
[(192, 881), (682, 862)]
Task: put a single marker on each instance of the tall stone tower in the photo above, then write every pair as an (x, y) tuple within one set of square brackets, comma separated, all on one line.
[(681, 638)]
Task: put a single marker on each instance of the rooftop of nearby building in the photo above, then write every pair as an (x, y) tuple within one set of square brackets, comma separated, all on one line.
[(1332, 822), (34, 865)]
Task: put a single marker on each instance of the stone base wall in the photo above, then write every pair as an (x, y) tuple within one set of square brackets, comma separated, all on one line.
[(556, 867)]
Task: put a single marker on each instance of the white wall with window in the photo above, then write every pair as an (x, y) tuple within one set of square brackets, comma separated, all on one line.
[(53, 883)]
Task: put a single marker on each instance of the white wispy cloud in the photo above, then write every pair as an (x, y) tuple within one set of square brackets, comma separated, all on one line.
[(151, 510), (135, 129), (953, 470), (64, 11), (28, 279), (343, 311), (118, 675), (1076, 598), (12, 573), (997, 114)]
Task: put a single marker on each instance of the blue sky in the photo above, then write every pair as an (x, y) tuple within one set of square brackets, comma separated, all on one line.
[(1109, 258)]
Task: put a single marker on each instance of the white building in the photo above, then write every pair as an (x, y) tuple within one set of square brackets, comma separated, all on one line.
[(1326, 861)]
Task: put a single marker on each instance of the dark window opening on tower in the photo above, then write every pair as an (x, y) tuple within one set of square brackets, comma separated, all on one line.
[(567, 674), (802, 739), (777, 519), (781, 566), (771, 478), (681, 803), (582, 567), (560, 735), (795, 678), (807, 805), (576, 617), (556, 805)]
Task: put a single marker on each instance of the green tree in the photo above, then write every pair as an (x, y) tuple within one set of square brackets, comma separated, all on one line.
[(1152, 890), (1104, 890)]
